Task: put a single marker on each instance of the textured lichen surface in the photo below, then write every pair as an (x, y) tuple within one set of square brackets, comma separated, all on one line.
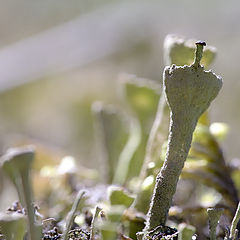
[(189, 91)]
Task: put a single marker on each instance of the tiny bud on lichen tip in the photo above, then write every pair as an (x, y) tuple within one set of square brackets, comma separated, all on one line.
[(198, 53), (201, 43)]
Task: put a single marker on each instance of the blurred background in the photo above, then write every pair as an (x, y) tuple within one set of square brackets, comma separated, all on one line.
[(57, 57)]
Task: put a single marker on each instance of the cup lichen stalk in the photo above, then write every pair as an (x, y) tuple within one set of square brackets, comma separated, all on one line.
[(189, 91), (214, 215), (94, 219), (176, 50), (17, 163), (179, 51), (234, 223), (71, 215)]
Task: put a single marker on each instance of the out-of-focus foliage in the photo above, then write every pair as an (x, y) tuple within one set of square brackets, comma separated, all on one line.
[(142, 96), (112, 131), (181, 52), (12, 226)]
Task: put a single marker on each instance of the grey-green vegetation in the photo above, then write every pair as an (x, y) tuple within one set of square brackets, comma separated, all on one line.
[(16, 163), (189, 91), (152, 183), (214, 215)]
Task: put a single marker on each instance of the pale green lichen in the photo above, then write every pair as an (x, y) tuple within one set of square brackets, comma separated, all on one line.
[(94, 219), (186, 231), (189, 91), (17, 163), (214, 215), (111, 133), (13, 226), (72, 214), (180, 51), (233, 232), (142, 95), (119, 196)]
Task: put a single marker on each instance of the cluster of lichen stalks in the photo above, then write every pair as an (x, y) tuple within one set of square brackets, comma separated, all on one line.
[(189, 90)]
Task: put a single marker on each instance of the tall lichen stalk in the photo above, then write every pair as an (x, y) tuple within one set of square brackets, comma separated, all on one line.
[(17, 163), (189, 91)]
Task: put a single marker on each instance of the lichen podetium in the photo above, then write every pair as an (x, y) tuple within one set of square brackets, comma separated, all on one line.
[(189, 91), (16, 163)]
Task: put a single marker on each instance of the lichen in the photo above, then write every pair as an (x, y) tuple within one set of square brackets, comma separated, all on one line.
[(189, 91)]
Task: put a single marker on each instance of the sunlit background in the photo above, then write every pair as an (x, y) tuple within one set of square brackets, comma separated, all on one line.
[(57, 57)]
